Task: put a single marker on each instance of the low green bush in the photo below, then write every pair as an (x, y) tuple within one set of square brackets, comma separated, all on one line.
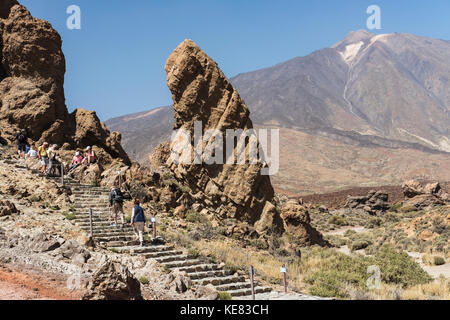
[(337, 220), (438, 261), (143, 280), (225, 296)]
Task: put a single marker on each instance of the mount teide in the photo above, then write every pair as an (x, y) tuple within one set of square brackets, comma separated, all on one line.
[(370, 110)]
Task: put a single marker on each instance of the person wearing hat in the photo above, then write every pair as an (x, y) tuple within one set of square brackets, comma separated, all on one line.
[(76, 161), (90, 156), (116, 203), (43, 156)]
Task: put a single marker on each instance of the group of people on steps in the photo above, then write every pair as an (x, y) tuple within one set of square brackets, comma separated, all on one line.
[(50, 161), (138, 219), (48, 155)]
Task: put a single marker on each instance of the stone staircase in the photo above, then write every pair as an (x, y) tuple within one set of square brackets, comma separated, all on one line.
[(124, 241), (200, 270)]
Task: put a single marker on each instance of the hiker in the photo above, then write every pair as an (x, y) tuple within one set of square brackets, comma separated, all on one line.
[(32, 153), (22, 142), (116, 202), (138, 221), (54, 161), (76, 161), (89, 157), (43, 157)]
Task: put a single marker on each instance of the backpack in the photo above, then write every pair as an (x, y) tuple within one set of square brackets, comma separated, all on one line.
[(21, 138), (118, 195)]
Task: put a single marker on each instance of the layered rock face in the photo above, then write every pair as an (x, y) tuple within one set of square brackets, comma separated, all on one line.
[(420, 196), (201, 92), (375, 202), (32, 86)]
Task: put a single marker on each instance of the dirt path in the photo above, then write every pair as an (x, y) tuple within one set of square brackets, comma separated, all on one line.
[(26, 284)]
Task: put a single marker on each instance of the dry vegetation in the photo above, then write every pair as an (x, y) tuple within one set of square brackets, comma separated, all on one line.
[(319, 271)]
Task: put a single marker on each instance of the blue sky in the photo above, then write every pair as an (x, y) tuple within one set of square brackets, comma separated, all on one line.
[(115, 63)]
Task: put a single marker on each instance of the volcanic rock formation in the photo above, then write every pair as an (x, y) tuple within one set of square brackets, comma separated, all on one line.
[(32, 86), (201, 92)]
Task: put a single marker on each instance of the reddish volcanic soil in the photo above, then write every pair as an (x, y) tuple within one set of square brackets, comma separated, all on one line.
[(26, 284)]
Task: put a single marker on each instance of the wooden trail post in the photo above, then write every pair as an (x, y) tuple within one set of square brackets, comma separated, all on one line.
[(91, 231), (283, 271), (154, 227), (252, 275), (62, 174)]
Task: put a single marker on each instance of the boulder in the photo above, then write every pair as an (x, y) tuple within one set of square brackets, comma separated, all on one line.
[(423, 201), (179, 282), (412, 188), (372, 203), (7, 208), (159, 156), (421, 197), (113, 281), (201, 92), (208, 292), (270, 220), (297, 224)]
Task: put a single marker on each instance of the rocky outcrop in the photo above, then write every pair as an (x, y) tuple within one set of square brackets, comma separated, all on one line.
[(32, 87), (297, 225), (7, 208), (374, 202), (113, 281), (423, 196), (201, 92), (159, 156)]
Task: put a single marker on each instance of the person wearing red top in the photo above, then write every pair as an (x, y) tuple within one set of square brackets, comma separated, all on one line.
[(89, 156), (76, 161)]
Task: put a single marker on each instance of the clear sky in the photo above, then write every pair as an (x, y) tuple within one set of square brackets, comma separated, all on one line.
[(115, 63)]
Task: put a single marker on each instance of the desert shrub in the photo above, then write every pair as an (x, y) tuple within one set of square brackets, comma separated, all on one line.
[(143, 280), (231, 267), (374, 222), (349, 233), (399, 268), (359, 244), (391, 217), (35, 198), (194, 216), (225, 296), (337, 220), (259, 244), (69, 216), (193, 253), (335, 272), (395, 207), (438, 261)]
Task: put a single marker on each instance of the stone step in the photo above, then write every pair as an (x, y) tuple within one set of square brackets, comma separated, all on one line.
[(114, 234), (166, 259), (184, 263), (115, 238), (204, 267), (155, 255), (216, 281), (209, 274), (144, 250), (248, 292), (115, 244), (233, 286)]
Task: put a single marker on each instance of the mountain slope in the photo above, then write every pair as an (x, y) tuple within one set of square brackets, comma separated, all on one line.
[(367, 96), (392, 86)]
